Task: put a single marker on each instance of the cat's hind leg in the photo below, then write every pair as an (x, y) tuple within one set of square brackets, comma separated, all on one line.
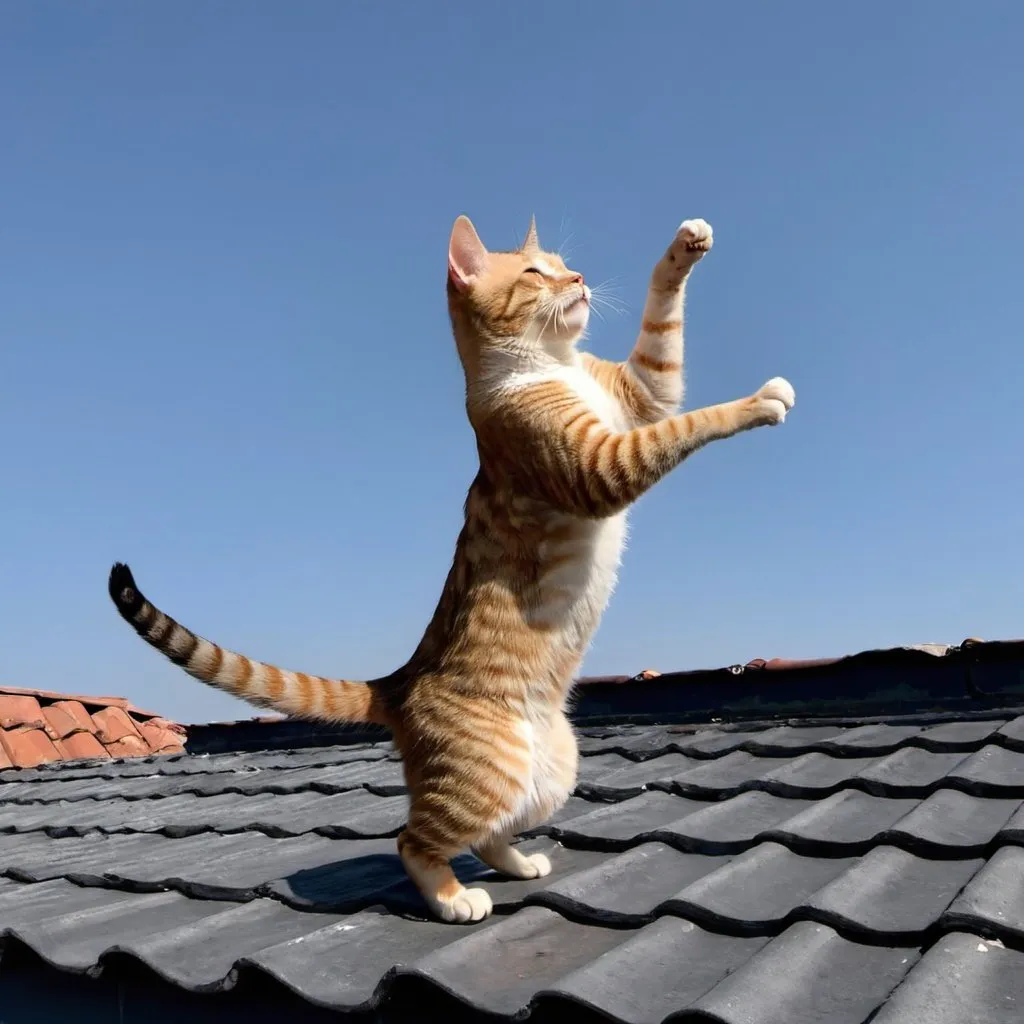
[(428, 866), (553, 778), (501, 855), (530, 774)]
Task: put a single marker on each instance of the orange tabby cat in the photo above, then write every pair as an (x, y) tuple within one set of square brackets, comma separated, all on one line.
[(567, 443)]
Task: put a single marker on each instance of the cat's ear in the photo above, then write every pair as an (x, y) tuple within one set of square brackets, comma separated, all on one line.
[(531, 244), (467, 255)]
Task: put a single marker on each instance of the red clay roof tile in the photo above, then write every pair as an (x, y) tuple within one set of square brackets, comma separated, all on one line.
[(38, 726), (59, 723), (161, 739), (28, 747), (131, 745), (120, 702), (113, 724), (166, 723), (75, 710), (99, 702), (80, 744), (20, 711)]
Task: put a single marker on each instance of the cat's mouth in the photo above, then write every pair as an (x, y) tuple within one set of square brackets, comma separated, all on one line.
[(582, 298)]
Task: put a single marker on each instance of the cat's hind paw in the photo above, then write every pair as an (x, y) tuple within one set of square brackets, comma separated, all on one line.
[(465, 906)]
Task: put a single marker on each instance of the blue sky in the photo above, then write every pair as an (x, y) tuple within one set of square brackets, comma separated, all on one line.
[(225, 358)]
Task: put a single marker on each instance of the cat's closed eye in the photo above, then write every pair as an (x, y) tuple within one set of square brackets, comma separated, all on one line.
[(534, 270)]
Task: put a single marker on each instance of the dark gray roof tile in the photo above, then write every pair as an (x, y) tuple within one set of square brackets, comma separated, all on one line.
[(756, 891), (809, 975), (357, 814), (962, 979), (959, 735), (786, 738), (35, 857), (713, 742), (203, 764), (515, 958), (205, 955), (634, 743), (732, 825), (845, 823), (74, 927), (798, 873), (874, 740), (908, 772), (619, 825), (993, 901), (628, 888), (811, 775), (657, 971), (729, 774), (1012, 734), (952, 823), (1013, 830), (629, 778), (369, 945), (891, 893), (236, 866), (992, 771)]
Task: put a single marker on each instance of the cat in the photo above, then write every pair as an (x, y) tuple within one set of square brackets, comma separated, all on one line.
[(567, 442)]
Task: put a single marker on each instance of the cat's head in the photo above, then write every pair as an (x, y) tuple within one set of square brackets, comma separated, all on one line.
[(528, 297)]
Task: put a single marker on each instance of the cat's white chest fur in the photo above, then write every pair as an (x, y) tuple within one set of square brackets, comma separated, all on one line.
[(601, 552), (581, 586)]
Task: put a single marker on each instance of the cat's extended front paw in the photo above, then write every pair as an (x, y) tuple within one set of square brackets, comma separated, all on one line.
[(693, 239), (774, 400)]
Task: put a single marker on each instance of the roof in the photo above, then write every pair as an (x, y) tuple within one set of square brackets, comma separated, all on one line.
[(40, 726), (814, 869), (970, 676)]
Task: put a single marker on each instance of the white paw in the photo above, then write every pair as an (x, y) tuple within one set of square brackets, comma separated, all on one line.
[(776, 397), (694, 237), (468, 905), (537, 866)]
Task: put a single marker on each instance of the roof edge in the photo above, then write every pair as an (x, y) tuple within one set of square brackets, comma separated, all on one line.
[(972, 677)]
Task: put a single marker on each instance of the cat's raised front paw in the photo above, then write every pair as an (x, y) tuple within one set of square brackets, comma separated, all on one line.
[(775, 399), (693, 239)]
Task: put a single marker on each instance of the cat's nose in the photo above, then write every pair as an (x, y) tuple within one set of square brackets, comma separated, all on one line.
[(576, 279)]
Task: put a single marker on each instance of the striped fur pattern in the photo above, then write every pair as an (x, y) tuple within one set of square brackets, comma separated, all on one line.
[(567, 443)]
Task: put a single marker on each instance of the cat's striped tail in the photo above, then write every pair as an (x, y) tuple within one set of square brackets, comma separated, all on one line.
[(266, 686)]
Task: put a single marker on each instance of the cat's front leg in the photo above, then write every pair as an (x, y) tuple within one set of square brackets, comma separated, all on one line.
[(657, 358)]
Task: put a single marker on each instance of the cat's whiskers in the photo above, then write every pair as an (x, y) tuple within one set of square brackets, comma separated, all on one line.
[(564, 251), (601, 294)]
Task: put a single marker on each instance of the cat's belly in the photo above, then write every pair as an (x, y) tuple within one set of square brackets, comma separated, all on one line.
[(578, 576), (550, 778)]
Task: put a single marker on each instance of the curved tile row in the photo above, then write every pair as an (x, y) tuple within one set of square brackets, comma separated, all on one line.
[(632, 743), (510, 964), (889, 895), (909, 772), (363, 814), (991, 771), (24, 781), (947, 824), (377, 775), (869, 740)]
